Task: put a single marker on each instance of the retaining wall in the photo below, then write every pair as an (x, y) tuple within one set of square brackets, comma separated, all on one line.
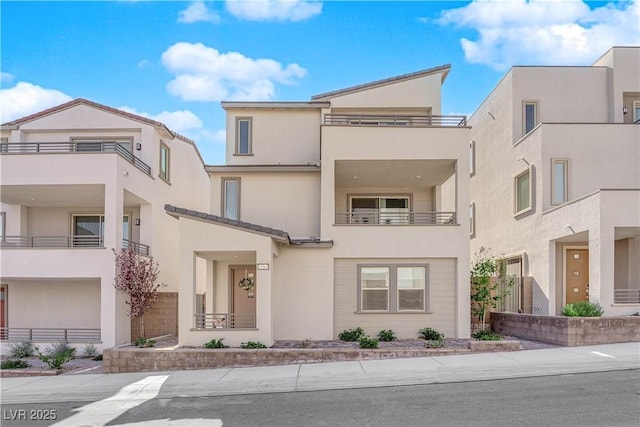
[(568, 331)]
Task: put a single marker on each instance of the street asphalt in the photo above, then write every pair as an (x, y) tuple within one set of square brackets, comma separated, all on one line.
[(329, 376)]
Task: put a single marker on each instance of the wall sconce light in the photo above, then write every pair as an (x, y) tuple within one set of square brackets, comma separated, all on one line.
[(136, 221), (625, 109), (138, 146), (522, 159)]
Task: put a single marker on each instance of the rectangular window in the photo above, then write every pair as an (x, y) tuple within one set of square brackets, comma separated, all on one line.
[(393, 288), (559, 181), (523, 191), (164, 162), (88, 230), (636, 111), (472, 158), (530, 115), (121, 145), (411, 287), (472, 219), (243, 135), (374, 282), (231, 198), (3, 224), (379, 210)]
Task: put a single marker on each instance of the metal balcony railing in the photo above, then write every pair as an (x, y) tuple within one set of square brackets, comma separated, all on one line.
[(394, 120), (139, 248), (626, 296), (224, 320), (50, 335), (74, 147), (376, 217), (45, 242)]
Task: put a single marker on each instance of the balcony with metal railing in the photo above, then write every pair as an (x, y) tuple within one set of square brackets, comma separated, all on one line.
[(380, 217), (50, 335), (626, 296), (74, 147), (67, 242), (397, 120)]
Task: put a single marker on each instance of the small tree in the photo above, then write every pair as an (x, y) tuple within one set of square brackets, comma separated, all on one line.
[(136, 278), (485, 289)]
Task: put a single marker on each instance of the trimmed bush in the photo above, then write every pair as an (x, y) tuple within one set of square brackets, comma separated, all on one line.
[(368, 342), (14, 364), (430, 334), (486, 335), (351, 334), (214, 343), (582, 309), (386, 335), (252, 344), (21, 350)]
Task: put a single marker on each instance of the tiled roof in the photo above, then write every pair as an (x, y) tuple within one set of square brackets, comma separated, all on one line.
[(442, 68), (82, 101), (241, 225)]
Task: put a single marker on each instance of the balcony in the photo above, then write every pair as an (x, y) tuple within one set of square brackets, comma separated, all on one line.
[(382, 217), (74, 147), (394, 120), (66, 242)]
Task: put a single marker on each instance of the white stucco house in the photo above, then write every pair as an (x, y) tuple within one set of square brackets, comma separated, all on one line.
[(555, 181)]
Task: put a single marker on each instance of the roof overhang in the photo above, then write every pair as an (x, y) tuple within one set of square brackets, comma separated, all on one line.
[(275, 105)]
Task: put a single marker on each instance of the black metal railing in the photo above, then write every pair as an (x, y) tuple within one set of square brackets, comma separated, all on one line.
[(74, 147), (394, 120), (44, 242), (50, 335), (377, 217), (139, 248), (224, 320)]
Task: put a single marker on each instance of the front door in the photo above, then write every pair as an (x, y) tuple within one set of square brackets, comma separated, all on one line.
[(577, 275), (244, 300)]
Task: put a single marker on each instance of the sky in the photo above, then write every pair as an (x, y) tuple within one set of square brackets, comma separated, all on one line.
[(175, 61)]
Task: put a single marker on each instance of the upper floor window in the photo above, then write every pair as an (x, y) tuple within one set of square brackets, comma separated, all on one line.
[(472, 219), (379, 209), (3, 216), (243, 135), (559, 181), (636, 111), (522, 183), (164, 161), (121, 145), (231, 198), (472, 158), (530, 115)]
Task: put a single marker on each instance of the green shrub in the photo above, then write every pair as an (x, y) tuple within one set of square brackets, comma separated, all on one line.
[(307, 343), (386, 335), (434, 343), (582, 309), (57, 355), (14, 364), (98, 358), (144, 342), (252, 344), (430, 334), (486, 335), (89, 351), (214, 343), (21, 350), (351, 334), (368, 342)]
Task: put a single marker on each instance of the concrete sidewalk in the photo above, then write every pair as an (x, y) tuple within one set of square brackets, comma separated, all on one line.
[(335, 375)]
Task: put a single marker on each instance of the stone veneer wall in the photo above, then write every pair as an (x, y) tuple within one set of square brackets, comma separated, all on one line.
[(161, 319), (568, 331)]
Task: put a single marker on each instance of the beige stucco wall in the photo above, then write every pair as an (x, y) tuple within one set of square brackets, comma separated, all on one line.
[(54, 304), (279, 136), (288, 201), (441, 298)]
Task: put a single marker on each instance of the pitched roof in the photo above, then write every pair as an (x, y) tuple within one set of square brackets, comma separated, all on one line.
[(82, 101), (279, 235), (444, 69)]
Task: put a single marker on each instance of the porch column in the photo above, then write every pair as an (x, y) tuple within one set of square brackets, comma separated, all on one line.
[(210, 287), (602, 253)]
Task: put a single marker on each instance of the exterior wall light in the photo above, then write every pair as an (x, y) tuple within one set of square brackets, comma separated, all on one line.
[(625, 109), (136, 221), (138, 146)]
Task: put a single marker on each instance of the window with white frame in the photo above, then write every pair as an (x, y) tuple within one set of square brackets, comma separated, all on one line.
[(379, 209), (88, 229), (165, 158), (472, 219), (559, 181), (231, 198), (3, 224), (392, 288), (244, 135), (522, 183), (472, 158), (529, 115), (636, 111)]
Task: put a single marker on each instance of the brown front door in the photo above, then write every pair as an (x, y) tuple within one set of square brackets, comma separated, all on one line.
[(244, 301), (577, 275), (3, 312)]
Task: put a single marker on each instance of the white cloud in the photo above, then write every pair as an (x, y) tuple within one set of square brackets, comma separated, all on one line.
[(179, 121), (144, 63), (26, 98), (5, 77), (197, 12), (273, 10), (542, 31), (204, 74)]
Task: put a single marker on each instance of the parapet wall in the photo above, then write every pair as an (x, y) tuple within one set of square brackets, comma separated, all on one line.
[(568, 331)]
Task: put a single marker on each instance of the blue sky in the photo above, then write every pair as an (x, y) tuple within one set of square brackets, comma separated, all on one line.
[(175, 61)]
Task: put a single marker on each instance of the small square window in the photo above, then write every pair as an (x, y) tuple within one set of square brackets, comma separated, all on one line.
[(243, 135), (523, 192)]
